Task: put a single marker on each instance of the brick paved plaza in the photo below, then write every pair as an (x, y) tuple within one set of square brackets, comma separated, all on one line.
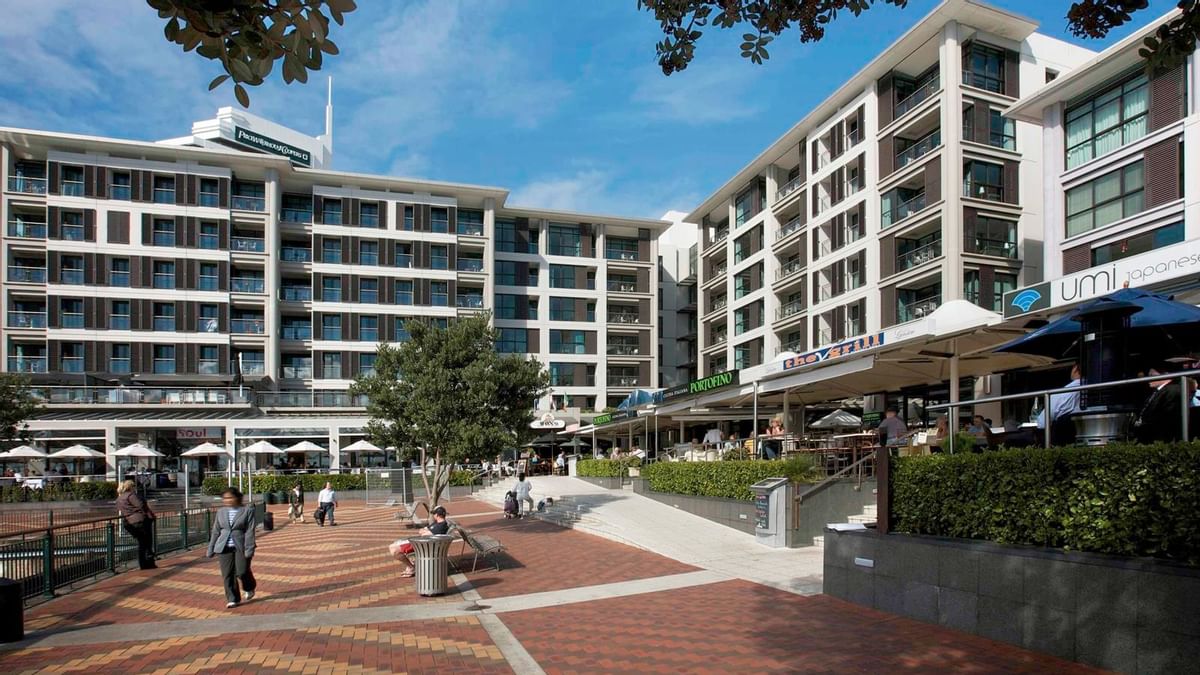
[(332, 600)]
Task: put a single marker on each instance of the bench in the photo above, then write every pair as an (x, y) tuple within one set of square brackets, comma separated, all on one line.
[(483, 545), (409, 512)]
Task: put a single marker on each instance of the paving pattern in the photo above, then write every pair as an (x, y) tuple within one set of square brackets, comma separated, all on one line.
[(331, 600)]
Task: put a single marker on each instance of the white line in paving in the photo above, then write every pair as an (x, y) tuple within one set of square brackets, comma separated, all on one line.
[(508, 644)]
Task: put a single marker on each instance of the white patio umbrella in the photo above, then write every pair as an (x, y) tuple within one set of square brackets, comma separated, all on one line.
[(362, 446), (77, 452), (205, 449), (305, 446), (137, 450), (23, 452), (261, 448)]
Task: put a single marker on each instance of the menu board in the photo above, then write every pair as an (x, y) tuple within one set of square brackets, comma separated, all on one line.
[(762, 511)]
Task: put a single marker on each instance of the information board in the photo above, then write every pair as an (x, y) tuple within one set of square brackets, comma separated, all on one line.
[(762, 511)]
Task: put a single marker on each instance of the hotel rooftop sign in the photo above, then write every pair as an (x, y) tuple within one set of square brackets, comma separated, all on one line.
[(267, 144)]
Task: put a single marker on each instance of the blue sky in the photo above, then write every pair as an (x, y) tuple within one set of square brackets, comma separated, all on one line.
[(560, 102)]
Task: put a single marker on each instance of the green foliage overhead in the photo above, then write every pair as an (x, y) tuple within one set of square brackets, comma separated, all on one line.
[(249, 36), (61, 492), (17, 405), (1135, 500), (312, 482), (730, 480)]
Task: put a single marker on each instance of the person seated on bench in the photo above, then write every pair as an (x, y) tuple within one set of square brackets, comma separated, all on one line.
[(439, 526)]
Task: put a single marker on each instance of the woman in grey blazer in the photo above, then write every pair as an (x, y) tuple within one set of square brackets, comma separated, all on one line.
[(232, 542)]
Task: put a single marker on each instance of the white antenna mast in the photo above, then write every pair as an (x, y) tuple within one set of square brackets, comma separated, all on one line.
[(329, 116)]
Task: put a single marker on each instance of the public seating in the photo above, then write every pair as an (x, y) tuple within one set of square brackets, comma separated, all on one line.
[(483, 545)]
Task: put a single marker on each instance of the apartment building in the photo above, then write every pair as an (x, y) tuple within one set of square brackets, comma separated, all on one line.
[(906, 188), (1119, 142), (678, 256), (218, 286)]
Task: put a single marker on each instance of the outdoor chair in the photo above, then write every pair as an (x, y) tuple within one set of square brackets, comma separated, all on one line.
[(483, 546)]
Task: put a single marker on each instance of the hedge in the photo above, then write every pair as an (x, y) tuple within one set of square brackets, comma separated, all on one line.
[(464, 478), (312, 482), (1133, 500), (727, 479), (61, 492), (606, 468)]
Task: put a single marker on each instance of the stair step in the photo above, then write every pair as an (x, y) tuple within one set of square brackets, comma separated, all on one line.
[(819, 542)]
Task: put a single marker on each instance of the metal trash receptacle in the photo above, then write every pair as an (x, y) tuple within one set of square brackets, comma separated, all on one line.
[(433, 563), (12, 611)]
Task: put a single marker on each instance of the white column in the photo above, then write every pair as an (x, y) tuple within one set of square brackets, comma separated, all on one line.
[(335, 453), (110, 447), (950, 60), (271, 311)]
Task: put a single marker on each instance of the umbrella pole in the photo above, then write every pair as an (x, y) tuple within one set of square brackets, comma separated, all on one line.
[(953, 393), (754, 429)]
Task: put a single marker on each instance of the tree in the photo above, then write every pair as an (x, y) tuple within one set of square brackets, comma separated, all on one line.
[(249, 36), (448, 395), (681, 21), (17, 404)]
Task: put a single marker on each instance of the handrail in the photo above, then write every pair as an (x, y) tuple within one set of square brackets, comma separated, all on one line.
[(830, 480)]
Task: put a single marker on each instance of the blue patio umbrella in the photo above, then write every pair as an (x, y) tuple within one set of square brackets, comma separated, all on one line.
[(1159, 326), (638, 398)]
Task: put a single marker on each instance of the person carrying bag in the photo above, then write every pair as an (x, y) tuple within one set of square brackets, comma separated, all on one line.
[(296, 503), (139, 522)]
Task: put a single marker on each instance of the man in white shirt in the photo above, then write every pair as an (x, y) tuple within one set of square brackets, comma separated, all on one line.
[(560, 464), (522, 489), (1062, 405), (327, 500), (713, 436)]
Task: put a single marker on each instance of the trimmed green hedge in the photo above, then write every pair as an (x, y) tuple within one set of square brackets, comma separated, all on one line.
[(61, 492), (464, 478), (312, 482), (1136, 500), (728, 479), (606, 468)]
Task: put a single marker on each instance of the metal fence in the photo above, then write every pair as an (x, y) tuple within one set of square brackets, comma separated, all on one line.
[(383, 485)]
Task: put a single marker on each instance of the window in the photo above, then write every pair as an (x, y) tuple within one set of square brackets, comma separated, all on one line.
[(368, 214), (506, 273), (331, 289), (368, 253), (404, 292), (993, 236), (331, 365), (72, 181), (331, 250), (741, 249), (164, 193), (164, 316), (968, 122), (562, 276), (366, 364), (439, 258), (506, 238), (439, 293), (983, 180), (741, 285), (331, 327), (209, 319), (1114, 118), (118, 272), (512, 341), (119, 359), (1138, 243), (72, 357), (209, 279), (562, 374), (983, 68), (404, 256), (210, 192), (71, 313), (741, 320), (1105, 200), (470, 221), (741, 356), (331, 212), (621, 249), (506, 305), (210, 236), (532, 309), (562, 309), (1003, 132), (297, 209), (439, 220), (118, 317), (164, 359), (72, 270), (565, 240), (72, 226), (568, 342), (164, 232), (1002, 283), (368, 328), (368, 291), (164, 274), (119, 188), (409, 218), (742, 208), (210, 360)]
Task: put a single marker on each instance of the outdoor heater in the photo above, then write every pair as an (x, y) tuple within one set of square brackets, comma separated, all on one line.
[(1104, 357)]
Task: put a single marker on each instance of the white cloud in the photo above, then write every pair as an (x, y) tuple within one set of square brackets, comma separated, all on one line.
[(593, 190), (586, 190), (708, 93)]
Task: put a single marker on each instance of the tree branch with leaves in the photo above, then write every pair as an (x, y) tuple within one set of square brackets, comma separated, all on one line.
[(17, 406)]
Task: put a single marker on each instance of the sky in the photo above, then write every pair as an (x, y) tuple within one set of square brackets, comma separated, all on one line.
[(562, 103)]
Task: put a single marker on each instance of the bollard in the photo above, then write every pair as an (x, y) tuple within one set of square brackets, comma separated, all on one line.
[(48, 564), (183, 528), (12, 611)]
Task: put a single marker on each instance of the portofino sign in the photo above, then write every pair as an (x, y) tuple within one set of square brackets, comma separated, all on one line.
[(701, 386)]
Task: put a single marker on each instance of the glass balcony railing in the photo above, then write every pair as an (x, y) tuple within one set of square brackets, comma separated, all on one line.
[(624, 350), (253, 367), (469, 301), (295, 294), (247, 285), (620, 254), (17, 319), (998, 248), (903, 210), (792, 308), (247, 326), (296, 372), (719, 304), (295, 333), (470, 229), (143, 395), (917, 309), (469, 265), (623, 317), (28, 186), (919, 149), (622, 286), (247, 244), (312, 399), (27, 364), (790, 268), (622, 380), (721, 235), (719, 339), (793, 226), (211, 200), (27, 275), (719, 270), (296, 215), (295, 254), (795, 346), (790, 187), (404, 260), (248, 203), (71, 188), (919, 256), (916, 98), (71, 277), (26, 229)]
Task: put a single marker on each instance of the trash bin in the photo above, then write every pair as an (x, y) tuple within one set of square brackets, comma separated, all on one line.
[(12, 611), (433, 563)]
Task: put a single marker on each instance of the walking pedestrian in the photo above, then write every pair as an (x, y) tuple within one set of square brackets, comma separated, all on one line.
[(139, 522), (232, 542), (522, 489), (296, 503), (327, 501)]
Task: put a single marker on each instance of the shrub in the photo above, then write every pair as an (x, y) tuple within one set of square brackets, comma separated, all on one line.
[(61, 492), (602, 468), (312, 482), (729, 479), (1136, 500), (464, 478)]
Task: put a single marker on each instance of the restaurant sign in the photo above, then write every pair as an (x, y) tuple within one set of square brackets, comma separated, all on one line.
[(831, 352), (547, 421), (255, 140), (700, 386), (613, 417)]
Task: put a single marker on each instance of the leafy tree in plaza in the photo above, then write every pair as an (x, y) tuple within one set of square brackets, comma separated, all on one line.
[(249, 36), (447, 394), (17, 404), (764, 20)]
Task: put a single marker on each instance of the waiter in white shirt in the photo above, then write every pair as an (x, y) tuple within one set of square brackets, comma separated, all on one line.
[(713, 436)]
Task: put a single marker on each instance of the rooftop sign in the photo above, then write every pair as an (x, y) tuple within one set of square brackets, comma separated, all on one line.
[(267, 144)]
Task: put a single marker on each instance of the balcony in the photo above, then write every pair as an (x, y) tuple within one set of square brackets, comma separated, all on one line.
[(311, 399), (790, 268), (296, 215), (721, 235), (295, 254), (622, 286), (795, 346), (793, 226), (622, 380), (624, 317), (296, 372), (26, 364), (25, 229), (248, 203), (404, 260), (27, 275), (17, 319), (624, 350), (247, 285), (469, 301), (919, 256), (27, 186), (719, 270), (919, 149), (470, 229), (917, 309), (998, 248), (916, 98), (719, 304), (903, 210), (143, 395), (620, 254), (295, 294), (247, 245), (719, 339), (790, 309), (790, 187), (247, 326), (253, 367), (469, 265), (295, 332)]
